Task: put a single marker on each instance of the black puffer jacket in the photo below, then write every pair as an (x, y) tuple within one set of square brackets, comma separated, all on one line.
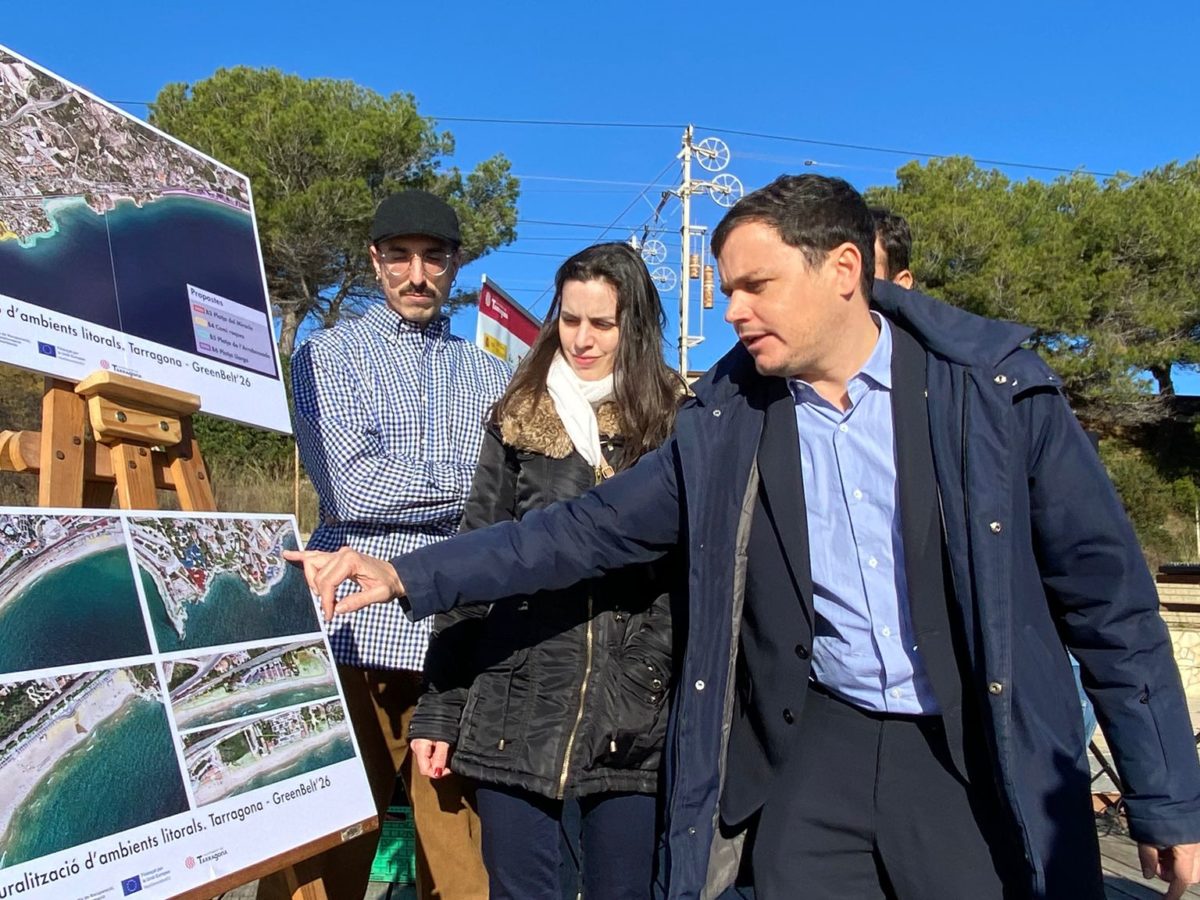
[(561, 693)]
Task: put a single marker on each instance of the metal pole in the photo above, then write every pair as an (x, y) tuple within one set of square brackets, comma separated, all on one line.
[(685, 234)]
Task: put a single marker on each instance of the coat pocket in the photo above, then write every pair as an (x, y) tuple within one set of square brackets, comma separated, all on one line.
[(496, 713), (638, 693)]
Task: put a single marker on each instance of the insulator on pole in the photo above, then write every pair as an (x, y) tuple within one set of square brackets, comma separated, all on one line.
[(693, 266), (706, 288)]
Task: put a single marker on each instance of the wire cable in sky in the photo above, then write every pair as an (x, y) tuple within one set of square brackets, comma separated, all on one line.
[(873, 149), (868, 148)]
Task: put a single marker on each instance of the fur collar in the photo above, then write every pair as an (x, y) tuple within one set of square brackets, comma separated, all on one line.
[(534, 426)]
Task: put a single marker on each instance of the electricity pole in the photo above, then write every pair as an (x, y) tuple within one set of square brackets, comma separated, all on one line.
[(710, 154)]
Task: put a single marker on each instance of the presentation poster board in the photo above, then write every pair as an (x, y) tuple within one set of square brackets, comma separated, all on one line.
[(122, 248), (504, 328), (170, 711)]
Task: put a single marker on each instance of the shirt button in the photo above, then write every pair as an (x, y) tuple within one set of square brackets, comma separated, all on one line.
[(857, 494), (886, 632), (872, 562), (788, 717), (895, 692), (843, 427), (802, 651), (995, 527), (699, 685), (692, 830), (996, 687)]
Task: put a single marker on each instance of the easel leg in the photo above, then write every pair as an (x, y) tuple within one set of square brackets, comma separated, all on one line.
[(135, 476), (190, 474), (61, 463)]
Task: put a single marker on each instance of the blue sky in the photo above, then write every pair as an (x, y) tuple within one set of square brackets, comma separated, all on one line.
[(1070, 84)]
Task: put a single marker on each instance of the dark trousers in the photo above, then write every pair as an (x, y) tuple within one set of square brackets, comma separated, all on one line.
[(871, 806), (522, 844)]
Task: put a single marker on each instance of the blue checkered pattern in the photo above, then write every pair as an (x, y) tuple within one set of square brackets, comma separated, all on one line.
[(389, 419)]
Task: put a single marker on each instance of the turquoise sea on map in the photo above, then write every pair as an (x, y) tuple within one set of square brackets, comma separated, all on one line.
[(83, 611), (231, 613), (128, 269), (335, 750), (126, 774)]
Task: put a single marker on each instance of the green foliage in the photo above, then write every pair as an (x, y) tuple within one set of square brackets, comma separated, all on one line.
[(229, 447), (320, 154), (1160, 508), (1105, 273)]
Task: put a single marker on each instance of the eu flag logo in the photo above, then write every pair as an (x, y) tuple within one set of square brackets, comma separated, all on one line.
[(47, 349), (131, 885)]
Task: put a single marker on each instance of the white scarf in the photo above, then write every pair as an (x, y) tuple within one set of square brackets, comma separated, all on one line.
[(575, 401)]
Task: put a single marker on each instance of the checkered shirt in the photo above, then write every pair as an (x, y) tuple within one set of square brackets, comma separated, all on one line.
[(389, 419)]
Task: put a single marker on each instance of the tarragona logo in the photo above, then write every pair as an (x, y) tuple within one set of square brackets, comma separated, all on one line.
[(211, 856)]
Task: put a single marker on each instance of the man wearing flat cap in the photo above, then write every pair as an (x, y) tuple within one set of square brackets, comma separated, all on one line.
[(390, 410)]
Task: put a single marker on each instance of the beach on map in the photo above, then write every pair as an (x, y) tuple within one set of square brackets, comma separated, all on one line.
[(216, 581), (67, 592), (234, 759), (211, 689), (70, 746)]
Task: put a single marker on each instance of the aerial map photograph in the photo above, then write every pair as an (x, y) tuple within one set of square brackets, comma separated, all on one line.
[(67, 592), (212, 581), (71, 747), (95, 203), (236, 758), (210, 689)]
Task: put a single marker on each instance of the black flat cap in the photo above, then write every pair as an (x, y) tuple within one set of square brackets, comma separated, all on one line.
[(415, 212)]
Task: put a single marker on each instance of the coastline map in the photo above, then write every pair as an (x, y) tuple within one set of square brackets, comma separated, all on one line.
[(215, 581), (67, 592), (236, 758), (70, 747), (208, 690), (125, 249), (170, 711)]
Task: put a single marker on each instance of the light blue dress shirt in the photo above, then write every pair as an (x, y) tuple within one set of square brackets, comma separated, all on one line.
[(863, 650)]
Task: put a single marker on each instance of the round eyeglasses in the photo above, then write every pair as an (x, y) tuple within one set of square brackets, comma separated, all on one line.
[(435, 262)]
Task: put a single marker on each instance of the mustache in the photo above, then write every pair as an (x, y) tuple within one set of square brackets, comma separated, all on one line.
[(425, 290)]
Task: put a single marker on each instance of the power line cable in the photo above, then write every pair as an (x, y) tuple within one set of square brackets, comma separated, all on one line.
[(873, 149), (557, 122), (868, 148), (568, 224), (613, 223)]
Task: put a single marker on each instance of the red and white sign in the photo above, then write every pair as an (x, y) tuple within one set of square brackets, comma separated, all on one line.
[(505, 328)]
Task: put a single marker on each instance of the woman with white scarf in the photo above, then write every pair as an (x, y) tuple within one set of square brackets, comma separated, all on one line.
[(564, 695)]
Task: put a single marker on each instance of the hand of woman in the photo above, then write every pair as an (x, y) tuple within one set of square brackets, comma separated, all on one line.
[(376, 579), (433, 757)]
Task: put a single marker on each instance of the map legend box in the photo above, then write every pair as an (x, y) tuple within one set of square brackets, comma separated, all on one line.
[(231, 332)]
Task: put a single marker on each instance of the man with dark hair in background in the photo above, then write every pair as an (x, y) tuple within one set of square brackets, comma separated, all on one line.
[(893, 247)]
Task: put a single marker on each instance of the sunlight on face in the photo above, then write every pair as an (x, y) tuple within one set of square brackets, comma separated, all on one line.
[(587, 327)]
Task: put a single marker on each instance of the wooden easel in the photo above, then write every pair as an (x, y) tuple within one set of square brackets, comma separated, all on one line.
[(143, 442)]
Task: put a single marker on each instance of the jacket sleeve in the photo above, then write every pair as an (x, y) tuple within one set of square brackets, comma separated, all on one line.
[(631, 518), (344, 454), (1107, 609), (449, 661)]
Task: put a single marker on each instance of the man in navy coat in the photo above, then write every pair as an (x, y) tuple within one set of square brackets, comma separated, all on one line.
[(895, 530)]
